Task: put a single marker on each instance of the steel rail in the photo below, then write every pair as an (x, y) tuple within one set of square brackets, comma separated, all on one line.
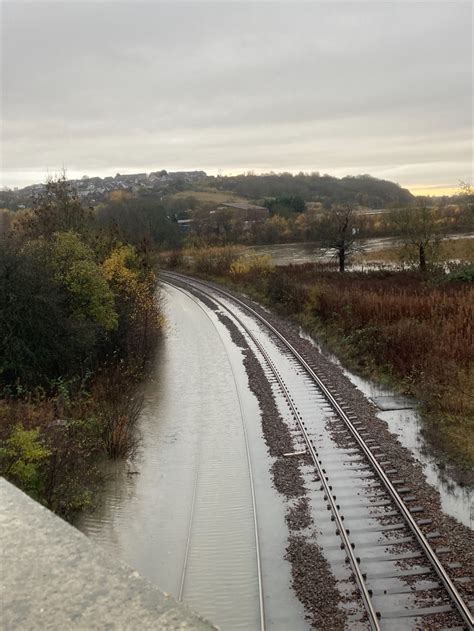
[(438, 567), (351, 556)]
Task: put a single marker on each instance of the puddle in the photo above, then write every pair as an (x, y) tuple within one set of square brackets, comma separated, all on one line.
[(388, 402)]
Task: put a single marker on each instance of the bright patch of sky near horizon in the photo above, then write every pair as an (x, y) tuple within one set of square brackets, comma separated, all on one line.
[(341, 88)]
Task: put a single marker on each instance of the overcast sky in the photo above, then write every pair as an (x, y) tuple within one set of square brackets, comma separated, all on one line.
[(341, 88)]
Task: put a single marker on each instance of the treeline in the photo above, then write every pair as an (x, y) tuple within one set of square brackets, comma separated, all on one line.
[(364, 190), (151, 224), (79, 317)]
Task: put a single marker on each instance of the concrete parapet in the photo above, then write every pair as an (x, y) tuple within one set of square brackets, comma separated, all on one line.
[(53, 577)]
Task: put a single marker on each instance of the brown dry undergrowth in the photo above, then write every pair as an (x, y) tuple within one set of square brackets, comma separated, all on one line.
[(414, 330)]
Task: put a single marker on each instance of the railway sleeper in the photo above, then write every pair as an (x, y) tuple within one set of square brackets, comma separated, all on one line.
[(416, 554), (422, 585), (376, 504), (415, 613), (414, 571), (384, 528)]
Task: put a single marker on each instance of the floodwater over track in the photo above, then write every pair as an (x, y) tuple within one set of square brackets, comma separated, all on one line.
[(404, 420), (187, 520), (390, 531)]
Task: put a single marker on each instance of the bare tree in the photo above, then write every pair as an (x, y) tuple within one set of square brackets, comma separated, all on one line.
[(338, 232), (466, 200), (419, 232)]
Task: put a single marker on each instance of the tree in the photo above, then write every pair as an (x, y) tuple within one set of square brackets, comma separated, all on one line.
[(138, 220), (55, 305), (339, 232), (466, 199), (90, 297), (286, 205), (36, 341), (57, 209), (275, 229), (139, 316), (419, 233)]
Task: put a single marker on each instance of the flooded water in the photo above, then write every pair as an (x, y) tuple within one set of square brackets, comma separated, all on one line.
[(186, 520), (405, 422), (298, 253)]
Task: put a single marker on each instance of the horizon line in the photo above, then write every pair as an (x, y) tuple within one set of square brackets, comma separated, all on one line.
[(431, 190)]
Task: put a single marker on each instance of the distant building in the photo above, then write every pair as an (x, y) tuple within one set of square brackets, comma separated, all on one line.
[(185, 225)]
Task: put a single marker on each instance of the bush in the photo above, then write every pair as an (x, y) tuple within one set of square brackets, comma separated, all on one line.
[(171, 259), (119, 406), (250, 266), (212, 260), (21, 458), (464, 274)]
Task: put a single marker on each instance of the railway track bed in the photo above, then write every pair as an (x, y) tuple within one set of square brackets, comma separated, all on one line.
[(394, 560)]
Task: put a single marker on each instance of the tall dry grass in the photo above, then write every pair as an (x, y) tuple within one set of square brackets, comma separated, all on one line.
[(211, 260), (415, 330)]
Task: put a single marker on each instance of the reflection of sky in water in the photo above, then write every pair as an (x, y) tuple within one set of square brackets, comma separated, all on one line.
[(456, 500)]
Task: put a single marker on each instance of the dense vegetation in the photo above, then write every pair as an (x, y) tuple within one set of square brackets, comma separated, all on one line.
[(79, 318), (411, 329), (362, 189)]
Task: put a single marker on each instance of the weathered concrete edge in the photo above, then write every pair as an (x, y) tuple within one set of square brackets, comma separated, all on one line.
[(54, 577)]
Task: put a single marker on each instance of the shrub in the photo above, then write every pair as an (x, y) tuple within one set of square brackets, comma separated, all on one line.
[(119, 407), (250, 266), (171, 259), (21, 458), (212, 260)]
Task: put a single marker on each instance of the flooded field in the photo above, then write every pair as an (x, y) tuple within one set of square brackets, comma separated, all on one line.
[(298, 253)]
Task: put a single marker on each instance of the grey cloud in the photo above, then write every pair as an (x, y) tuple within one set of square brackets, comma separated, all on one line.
[(376, 87)]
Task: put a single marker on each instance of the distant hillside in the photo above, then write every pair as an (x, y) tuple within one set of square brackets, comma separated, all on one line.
[(361, 189), (96, 189)]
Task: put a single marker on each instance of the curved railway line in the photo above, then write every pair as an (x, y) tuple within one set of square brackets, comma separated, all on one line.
[(391, 497), (254, 508)]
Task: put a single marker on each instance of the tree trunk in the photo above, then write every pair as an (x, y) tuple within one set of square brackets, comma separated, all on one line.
[(422, 254), (342, 259)]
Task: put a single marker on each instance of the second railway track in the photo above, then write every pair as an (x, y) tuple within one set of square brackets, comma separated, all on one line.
[(373, 512)]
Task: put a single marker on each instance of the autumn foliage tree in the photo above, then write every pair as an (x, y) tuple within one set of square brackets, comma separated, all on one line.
[(79, 315)]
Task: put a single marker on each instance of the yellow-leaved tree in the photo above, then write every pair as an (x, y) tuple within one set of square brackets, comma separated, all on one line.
[(137, 304)]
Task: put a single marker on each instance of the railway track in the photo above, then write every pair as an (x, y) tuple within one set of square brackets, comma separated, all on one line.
[(376, 521), (181, 590)]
